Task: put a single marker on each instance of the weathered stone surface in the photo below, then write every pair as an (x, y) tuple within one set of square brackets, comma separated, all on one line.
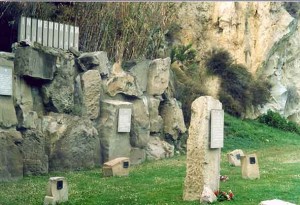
[(275, 202), (137, 156), (140, 129), (158, 76), (11, 159), (79, 109), (122, 82), (234, 157), (53, 194), (8, 116), (113, 143), (91, 87), (140, 72), (156, 121), (34, 63), (34, 153), (249, 167), (72, 142), (58, 96), (157, 149), (95, 60), (208, 196), (173, 118), (203, 163)]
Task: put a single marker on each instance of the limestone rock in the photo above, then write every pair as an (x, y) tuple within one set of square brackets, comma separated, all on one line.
[(72, 142), (140, 129), (34, 153), (234, 157), (113, 143), (122, 82), (8, 116), (34, 63), (275, 202), (208, 195), (203, 163), (140, 72), (11, 159), (158, 76), (173, 118), (137, 156), (94, 60), (58, 95), (91, 86), (157, 149), (156, 121)]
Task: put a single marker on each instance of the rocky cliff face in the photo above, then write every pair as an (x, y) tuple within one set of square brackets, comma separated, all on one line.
[(263, 36)]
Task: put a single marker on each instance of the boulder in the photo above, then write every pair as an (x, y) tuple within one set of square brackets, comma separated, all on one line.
[(156, 121), (34, 63), (140, 129), (91, 87), (122, 82), (172, 115), (34, 153), (95, 60), (158, 76), (72, 142), (58, 95), (157, 149), (140, 72), (208, 196), (78, 97), (11, 159), (137, 156), (8, 116), (113, 143)]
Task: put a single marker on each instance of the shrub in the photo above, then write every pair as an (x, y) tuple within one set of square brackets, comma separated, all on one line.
[(274, 119), (218, 61), (184, 54)]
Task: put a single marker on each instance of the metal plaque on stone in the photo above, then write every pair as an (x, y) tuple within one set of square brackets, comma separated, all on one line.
[(22, 29), (124, 120), (45, 33), (217, 128), (66, 37), (5, 81), (55, 36), (33, 30), (28, 28), (61, 36), (40, 31), (50, 34)]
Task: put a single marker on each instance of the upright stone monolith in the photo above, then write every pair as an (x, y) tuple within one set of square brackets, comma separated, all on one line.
[(203, 162)]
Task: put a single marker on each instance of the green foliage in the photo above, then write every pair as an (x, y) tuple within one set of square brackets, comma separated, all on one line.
[(184, 54), (274, 119), (239, 90)]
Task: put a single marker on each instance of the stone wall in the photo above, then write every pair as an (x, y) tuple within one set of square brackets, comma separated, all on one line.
[(64, 109)]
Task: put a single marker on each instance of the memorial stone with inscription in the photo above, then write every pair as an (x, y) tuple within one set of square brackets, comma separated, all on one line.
[(5, 81), (203, 162)]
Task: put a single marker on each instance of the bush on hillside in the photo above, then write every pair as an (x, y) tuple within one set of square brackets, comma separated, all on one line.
[(274, 119)]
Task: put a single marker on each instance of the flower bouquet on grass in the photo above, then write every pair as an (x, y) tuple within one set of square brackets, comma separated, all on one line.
[(224, 196)]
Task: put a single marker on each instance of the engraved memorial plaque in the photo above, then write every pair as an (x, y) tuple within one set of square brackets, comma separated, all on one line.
[(66, 38), (252, 160), (217, 129), (28, 28), (5, 81), (61, 36), (40, 31), (55, 36), (50, 34), (22, 29), (76, 37), (71, 38), (45, 33), (124, 120), (33, 30), (238, 156)]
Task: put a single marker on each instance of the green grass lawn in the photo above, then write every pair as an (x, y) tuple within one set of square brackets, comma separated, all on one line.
[(161, 182)]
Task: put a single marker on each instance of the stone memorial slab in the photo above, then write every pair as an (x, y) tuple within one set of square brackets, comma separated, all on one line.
[(116, 167), (76, 37), (28, 28), (66, 37), (217, 129), (124, 120), (61, 36), (22, 29), (5, 81), (50, 34), (40, 31), (71, 37), (57, 191), (33, 29), (250, 168), (45, 33), (275, 202), (234, 157), (55, 35)]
